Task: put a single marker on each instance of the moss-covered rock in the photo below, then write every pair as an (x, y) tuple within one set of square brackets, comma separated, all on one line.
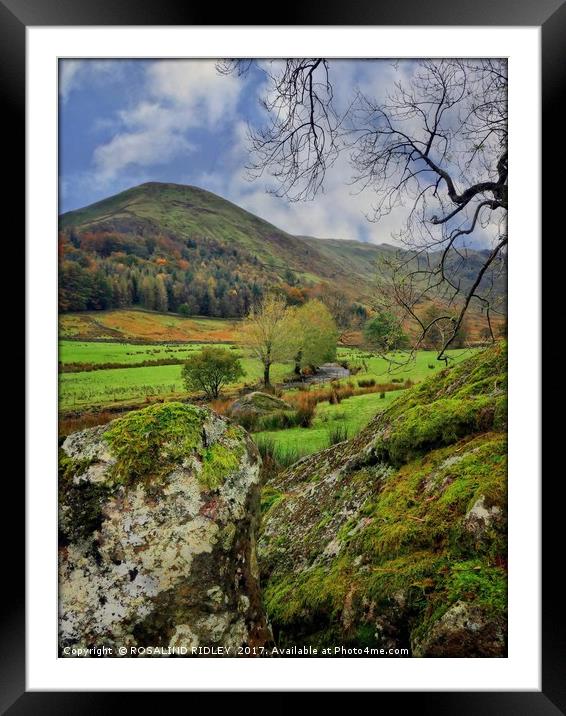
[(158, 513), (398, 537), (258, 403)]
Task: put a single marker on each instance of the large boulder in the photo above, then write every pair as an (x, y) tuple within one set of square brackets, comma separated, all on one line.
[(158, 514), (397, 538), (258, 403)]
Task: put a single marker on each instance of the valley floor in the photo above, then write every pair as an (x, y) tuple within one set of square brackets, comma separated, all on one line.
[(104, 374)]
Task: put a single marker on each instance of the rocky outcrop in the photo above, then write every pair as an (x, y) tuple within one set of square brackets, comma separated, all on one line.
[(157, 520), (258, 404), (397, 538), (464, 630)]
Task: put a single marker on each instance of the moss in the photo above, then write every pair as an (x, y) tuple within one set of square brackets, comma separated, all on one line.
[(218, 462), (424, 504), (413, 544), (81, 513), (270, 497), (148, 443), (426, 427), (471, 581), (407, 484)]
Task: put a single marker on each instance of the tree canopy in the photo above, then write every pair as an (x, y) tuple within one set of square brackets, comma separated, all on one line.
[(210, 369)]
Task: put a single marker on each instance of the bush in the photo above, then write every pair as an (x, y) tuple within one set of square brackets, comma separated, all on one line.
[(220, 406), (382, 395), (366, 382), (280, 420), (305, 414), (209, 369)]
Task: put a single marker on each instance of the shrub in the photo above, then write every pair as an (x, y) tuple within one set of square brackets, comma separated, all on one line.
[(209, 369), (305, 414), (366, 382), (248, 421), (280, 420), (382, 395), (220, 406)]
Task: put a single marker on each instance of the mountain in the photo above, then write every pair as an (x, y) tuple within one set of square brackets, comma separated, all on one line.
[(355, 257), (171, 247)]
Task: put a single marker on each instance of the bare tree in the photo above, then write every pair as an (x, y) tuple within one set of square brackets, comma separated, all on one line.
[(434, 150)]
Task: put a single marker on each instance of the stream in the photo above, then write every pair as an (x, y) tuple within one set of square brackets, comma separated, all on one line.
[(325, 374)]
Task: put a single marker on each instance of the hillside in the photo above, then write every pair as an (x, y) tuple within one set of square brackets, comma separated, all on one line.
[(364, 260), (357, 258), (169, 247), (397, 538), (164, 245), (187, 212)]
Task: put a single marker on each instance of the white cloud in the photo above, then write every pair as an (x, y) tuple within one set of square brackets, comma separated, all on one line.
[(340, 212), (143, 148), (183, 94), (74, 74), (195, 87)]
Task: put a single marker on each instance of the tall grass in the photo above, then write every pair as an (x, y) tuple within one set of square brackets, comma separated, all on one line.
[(276, 457), (337, 434)]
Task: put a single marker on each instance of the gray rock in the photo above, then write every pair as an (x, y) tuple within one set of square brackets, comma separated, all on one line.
[(258, 403), (158, 512), (464, 631), (480, 517)]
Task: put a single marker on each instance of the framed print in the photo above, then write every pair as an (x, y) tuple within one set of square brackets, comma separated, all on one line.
[(283, 401)]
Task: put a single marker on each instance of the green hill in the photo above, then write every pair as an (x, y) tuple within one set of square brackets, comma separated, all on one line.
[(187, 212), (169, 247)]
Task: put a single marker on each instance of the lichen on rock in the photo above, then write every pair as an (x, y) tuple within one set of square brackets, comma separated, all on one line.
[(158, 514), (258, 403), (375, 540)]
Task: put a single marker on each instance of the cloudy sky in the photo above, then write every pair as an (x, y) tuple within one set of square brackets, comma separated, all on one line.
[(126, 122)]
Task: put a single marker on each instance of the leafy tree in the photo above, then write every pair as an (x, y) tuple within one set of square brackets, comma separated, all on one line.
[(383, 332), (267, 331), (161, 300), (315, 334), (210, 369), (184, 309)]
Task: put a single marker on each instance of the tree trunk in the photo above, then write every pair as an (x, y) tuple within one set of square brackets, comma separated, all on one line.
[(298, 358), (266, 367)]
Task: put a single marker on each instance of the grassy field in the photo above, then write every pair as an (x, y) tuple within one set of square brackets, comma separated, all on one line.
[(95, 352), (104, 387), (352, 414), (382, 371), (146, 326), (82, 389)]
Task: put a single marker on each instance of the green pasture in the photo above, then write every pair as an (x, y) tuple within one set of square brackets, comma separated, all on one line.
[(101, 352), (352, 413), (103, 387), (384, 371)]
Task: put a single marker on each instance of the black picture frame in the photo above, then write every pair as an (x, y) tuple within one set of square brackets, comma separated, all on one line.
[(15, 16)]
